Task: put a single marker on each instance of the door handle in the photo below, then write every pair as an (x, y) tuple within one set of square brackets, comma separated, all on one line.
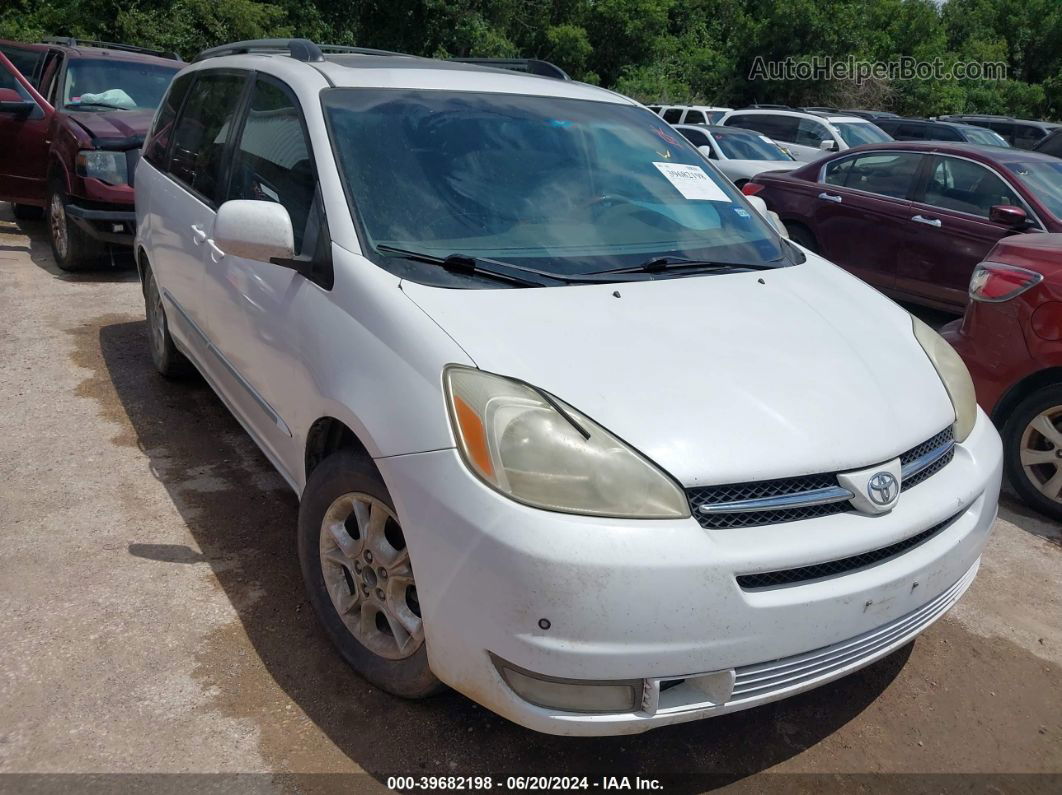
[(830, 197), (921, 219), (215, 253), (198, 234)]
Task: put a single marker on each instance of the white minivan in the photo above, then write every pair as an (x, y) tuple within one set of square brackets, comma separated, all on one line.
[(574, 430), (807, 136)]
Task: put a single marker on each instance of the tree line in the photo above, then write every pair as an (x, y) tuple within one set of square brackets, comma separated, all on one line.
[(675, 51)]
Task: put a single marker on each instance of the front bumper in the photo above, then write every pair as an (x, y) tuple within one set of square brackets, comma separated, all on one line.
[(658, 600), (108, 224)]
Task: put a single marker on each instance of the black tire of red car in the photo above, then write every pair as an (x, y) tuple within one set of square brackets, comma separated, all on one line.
[(167, 359), (345, 473), (1014, 429), (803, 236), (27, 212), (72, 248)]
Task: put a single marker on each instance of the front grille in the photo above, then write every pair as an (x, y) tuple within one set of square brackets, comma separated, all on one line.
[(832, 568), (785, 487)]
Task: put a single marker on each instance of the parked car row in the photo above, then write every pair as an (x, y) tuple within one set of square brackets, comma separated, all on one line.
[(72, 120)]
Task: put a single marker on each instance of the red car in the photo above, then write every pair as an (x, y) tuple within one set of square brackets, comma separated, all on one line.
[(1011, 340), (72, 120), (914, 218)]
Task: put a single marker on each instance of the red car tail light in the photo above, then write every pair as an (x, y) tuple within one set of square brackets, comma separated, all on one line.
[(995, 282), (751, 188)]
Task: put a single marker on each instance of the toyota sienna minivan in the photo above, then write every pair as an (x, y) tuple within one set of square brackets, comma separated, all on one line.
[(575, 431)]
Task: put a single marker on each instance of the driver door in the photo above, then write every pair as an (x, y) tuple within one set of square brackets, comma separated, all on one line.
[(24, 137)]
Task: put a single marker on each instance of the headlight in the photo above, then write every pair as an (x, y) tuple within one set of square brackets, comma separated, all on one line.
[(109, 167), (953, 373), (542, 452)]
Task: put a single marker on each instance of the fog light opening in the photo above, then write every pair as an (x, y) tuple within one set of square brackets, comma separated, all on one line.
[(571, 695)]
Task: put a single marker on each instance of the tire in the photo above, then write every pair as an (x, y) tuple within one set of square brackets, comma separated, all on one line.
[(1027, 435), (72, 248), (168, 360), (341, 519), (27, 212), (801, 235)]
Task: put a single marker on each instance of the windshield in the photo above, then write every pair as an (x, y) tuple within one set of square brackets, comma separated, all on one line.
[(110, 84), (857, 133), (569, 186), (748, 146), (1043, 178), (979, 135)]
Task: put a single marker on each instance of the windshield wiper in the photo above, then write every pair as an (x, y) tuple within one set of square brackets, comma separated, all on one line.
[(661, 264), (502, 271)]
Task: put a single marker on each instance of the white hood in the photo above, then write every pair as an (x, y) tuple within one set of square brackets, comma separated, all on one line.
[(717, 378)]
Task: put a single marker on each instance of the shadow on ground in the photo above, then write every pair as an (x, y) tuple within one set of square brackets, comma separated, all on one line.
[(117, 265), (243, 520)]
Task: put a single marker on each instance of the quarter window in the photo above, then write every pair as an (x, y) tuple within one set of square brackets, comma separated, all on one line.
[(967, 187), (273, 161), (157, 147), (695, 117), (672, 115), (203, 131), (887, 174)]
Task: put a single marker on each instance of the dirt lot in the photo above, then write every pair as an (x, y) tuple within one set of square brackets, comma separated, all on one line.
[(153, 620)]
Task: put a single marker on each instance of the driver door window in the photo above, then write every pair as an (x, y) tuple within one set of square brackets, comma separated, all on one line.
[(967, 187), (811, 133)]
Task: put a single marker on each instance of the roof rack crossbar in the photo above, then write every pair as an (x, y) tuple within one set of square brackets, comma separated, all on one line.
[(532, 66), (70, 41), (299, 49)]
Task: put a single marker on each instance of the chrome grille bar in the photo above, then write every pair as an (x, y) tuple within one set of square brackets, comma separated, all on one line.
[(801, 499), (926, 460)]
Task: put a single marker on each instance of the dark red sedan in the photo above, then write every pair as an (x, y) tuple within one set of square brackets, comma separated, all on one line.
[(914, 218), (1011, 340)]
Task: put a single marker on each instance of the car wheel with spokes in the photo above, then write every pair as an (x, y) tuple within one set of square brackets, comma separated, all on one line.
[(167, 359), (1032, 437), (72, 248), (359, 575)]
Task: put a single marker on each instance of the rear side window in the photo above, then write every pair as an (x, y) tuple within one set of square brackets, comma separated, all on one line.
[(695, 117), (157, 148), (908, 132), (1027, 135), (1052, 146), (941, 132), (672, 115), (203, 130), (273, 161), (887, 174)]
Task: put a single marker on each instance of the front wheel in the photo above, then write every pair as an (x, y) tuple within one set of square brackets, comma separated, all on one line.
[(359, 576), (1032, 449), (72, 248)]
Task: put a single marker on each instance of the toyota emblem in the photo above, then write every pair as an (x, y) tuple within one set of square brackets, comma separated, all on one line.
[(883, 488)]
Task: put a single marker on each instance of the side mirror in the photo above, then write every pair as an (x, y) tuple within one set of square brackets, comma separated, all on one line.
[(11, 102), (706, 151), (772, 217), (257, 230), (828, 145), (1008, 215)]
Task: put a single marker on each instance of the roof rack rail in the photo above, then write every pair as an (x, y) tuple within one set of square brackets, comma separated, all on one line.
[(532, 66), (70, 41), (299, 49)]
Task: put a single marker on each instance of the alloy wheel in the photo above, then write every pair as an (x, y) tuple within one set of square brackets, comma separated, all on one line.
[(156, 318), (1041, 453), (368, 576), (57, 221)]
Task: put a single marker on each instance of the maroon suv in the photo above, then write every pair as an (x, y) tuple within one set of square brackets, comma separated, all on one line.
[(914, 219), (72, 119)]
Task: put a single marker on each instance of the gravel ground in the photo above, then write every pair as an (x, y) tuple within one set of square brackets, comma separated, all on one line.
[(153, 619)]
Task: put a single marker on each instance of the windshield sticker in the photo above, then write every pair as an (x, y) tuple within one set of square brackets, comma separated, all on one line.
[(741, 212), (692, 182)]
